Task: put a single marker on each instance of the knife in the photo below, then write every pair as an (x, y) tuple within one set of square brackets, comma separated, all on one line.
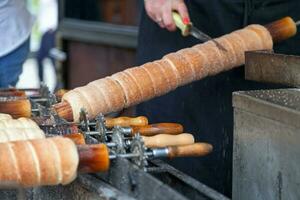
[(189, 29)]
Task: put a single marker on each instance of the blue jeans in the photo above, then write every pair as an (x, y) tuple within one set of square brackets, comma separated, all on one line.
[(11, 65)]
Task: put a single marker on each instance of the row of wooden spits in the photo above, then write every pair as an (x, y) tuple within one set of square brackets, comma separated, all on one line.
[(16, 101), (95, 157), (163, 134)]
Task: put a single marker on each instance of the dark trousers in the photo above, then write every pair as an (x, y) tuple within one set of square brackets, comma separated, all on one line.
[(204, 107), (47, 43), (11, 65)]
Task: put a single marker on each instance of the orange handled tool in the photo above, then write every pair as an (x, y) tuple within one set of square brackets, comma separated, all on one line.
[(93, 158), (192, 150), (164, 140), (126, 121), (160, 128)]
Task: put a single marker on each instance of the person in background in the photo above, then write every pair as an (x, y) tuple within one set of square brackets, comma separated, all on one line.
[(47, 23), (15, 27), (204, 107)]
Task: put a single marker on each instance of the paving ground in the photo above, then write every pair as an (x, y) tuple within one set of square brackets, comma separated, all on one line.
[(29, 77)]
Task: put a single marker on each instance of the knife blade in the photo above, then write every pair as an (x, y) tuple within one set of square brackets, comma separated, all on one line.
[(204, 37), (189, 29)]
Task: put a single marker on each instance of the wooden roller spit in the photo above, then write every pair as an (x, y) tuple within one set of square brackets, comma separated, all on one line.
[(50, 161), (57, 160), (23, 123), (165, 140), (4, 116), (159, 128), (126, 121), (93, 158), (15, 106), (191, 150), (16, 134), (39, 162), (77, 138), (138, 84)]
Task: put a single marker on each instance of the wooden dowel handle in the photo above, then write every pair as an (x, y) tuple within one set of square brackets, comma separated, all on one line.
[(77, 138), (93, 158), (126, 121), (164, 140), (64, 110), (160, 128), (282, 29), (192, 150), (20, 107)]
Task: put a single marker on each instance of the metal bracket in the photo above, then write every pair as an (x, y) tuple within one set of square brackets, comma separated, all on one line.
[(138, 147), (268, 67), (100, 127)]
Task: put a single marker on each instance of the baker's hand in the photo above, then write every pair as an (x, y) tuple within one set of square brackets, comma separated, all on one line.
[(160, 11)]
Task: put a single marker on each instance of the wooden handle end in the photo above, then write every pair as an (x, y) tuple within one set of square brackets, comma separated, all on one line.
[(126, 121), (19, 107), (165, 140), (77, 138), (93, 158), (64, 110), (282, 29), (192, 150), (160, 128)]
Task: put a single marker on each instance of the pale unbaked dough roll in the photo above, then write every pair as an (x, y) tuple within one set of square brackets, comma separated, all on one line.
[(102, 97), (15, 134), (18, 123), (80, 92), (251, 39), (263, 34), (32, 163), (145, 83), (111, 93), (4, 116), (94, 98), (68, 169), (76, 103), (132, 93), (49, 156), (9, 171)]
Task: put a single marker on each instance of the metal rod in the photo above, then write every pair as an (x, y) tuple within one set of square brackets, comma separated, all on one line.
[(92, 123), (96, 132), (92, 133), (40, 100), (111, 144), (129, 155), (298, 23)]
